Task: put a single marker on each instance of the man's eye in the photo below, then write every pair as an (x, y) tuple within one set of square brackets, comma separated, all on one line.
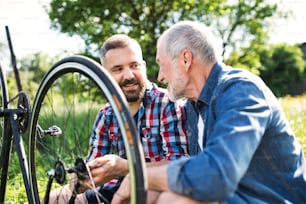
[(135, 65), (116, 69)]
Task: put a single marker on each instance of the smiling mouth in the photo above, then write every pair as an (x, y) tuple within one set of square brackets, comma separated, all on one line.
[(130, 86)]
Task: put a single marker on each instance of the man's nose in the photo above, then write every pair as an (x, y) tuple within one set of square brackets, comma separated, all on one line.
[(160, 76), (128, 73)]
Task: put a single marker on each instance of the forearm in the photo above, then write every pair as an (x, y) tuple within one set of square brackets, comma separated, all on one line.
[(122, 168), (157, 176)]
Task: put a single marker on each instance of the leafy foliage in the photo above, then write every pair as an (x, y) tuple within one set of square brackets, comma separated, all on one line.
[(236, 22), (281, 66), (31, 68)]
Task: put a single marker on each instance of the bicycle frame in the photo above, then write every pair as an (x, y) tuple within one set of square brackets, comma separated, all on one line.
[(11, 132)]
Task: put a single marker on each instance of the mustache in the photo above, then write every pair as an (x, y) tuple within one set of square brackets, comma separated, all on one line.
[(129, 82)]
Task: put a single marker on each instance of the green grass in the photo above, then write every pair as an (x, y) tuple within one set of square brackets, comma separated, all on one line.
[(294, 108)]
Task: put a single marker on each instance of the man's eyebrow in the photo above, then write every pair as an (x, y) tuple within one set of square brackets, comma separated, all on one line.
[(133, 62), (116, 66)]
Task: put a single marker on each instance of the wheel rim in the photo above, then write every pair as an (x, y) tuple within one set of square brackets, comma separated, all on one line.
[(53, 110)]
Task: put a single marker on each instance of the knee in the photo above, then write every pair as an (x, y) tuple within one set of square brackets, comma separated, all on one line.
[(152, 197), (173, 198)]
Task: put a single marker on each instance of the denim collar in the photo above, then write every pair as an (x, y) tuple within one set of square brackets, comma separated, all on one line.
[(211, 83)]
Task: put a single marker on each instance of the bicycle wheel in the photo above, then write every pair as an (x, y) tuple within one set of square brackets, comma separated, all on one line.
[(3, 105), (4, 130), (69, 97)]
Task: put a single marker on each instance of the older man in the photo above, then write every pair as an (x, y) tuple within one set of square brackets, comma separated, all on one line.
[(242, 147)]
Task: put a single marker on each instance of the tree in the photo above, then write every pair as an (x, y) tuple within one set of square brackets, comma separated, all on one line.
[(248, 57), (235, 22), (32, 68), (282, 65)]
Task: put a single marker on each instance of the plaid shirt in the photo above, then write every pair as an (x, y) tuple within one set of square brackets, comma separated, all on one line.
[(160, 125)]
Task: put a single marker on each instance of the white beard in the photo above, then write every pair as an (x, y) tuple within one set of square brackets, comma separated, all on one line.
[(173, 94)]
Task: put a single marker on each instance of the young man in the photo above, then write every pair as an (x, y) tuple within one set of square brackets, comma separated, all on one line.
[(159, 121), (242, 147)]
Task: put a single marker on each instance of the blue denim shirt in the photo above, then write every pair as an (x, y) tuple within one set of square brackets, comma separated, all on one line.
[(250, 153)]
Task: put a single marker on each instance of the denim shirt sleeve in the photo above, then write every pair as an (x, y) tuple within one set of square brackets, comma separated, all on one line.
[(235, 121)]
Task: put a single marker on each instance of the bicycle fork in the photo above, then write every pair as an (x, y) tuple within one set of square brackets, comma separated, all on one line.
[(5, 156), (21, 155)]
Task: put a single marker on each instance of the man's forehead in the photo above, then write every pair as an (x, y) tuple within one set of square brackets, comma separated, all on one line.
[(116, 57), (158, 55), (160, 52)]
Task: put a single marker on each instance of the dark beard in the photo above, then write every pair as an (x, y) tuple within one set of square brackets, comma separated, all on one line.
[(133, 96)]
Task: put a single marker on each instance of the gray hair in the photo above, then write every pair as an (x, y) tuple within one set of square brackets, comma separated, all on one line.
[(116, 41), (194, 36)]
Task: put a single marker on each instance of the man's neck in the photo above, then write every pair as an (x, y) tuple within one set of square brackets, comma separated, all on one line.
[(134, 106)]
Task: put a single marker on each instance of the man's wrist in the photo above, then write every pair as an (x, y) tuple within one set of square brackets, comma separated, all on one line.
[(124, 167)]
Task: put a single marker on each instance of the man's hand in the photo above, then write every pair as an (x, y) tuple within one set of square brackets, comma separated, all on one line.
[(102, 170), (123, 196)]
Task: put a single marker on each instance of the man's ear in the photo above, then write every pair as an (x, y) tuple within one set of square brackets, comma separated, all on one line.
[(187, 58)]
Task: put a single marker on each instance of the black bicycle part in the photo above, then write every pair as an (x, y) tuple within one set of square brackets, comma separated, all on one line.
[(13, 59), (21, 155), (12, 120), (13, 123), (5, 137), (23, 111), (59, 174), (81, 171), (46, 150)]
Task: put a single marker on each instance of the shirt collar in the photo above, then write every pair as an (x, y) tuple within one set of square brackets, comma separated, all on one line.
[(150, 93), (149, 96), (211, 83)]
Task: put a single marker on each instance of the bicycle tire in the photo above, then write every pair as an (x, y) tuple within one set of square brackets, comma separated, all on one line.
[(4, 130), (3, 106), (78, 70)]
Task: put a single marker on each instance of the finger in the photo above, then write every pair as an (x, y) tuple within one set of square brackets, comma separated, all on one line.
[(84, 185), (96, 163), (101, 161), (98, 172)]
